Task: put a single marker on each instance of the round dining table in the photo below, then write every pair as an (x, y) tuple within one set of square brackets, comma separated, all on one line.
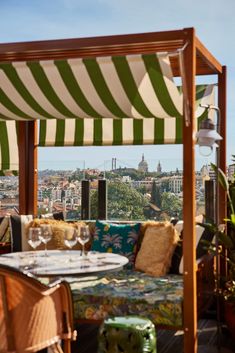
[(64, 262)]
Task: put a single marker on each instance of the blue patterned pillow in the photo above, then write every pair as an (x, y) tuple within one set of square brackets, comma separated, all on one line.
[(117, 238)]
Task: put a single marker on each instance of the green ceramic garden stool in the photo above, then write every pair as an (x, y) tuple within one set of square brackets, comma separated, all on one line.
[(130, 334)]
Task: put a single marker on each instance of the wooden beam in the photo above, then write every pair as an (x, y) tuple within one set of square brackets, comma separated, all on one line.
[(32, 170), (22, 167), (189, 243), (50, 48), (127, 44), (209, 59)]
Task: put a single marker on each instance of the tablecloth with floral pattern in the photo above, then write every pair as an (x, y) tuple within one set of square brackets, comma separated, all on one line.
[(129, 293)]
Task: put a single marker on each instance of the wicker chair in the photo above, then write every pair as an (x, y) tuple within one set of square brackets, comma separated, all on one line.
[(34, 316)]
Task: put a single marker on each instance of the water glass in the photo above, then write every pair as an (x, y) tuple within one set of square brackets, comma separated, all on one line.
[(34, 239), (70, 238), (83, 237), (46, 235)]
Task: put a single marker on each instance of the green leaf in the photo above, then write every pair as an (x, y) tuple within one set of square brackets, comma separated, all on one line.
[(211, 227), (225, 240), (232, 218)]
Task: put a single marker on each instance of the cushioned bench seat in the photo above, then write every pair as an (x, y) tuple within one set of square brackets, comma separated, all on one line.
[(129, 293), (150, 248)]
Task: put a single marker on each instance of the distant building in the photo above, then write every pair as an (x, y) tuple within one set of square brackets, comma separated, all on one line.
[(176, 184), (231, 172), (159, 167), (126, 179), (205, 171), (56, 193), (143, 165), (206, 174), (212, 174)]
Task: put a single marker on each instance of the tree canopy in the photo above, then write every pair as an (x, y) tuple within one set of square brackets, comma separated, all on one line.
[(124, 202)]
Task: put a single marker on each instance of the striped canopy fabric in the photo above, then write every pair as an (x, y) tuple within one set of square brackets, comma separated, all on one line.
[(118, 100), (87, 132), (100, 132), (9, 160), (134, 86)]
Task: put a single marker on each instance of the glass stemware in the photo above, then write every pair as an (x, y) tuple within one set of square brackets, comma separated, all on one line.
[(70, 238), (34, 239), (46, 235), (83, 238)]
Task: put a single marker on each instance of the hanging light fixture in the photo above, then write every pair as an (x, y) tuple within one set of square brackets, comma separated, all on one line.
[(207, 134)]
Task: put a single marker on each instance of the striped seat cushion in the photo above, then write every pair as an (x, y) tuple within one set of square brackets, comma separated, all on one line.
[(4, 224), (18, 224)]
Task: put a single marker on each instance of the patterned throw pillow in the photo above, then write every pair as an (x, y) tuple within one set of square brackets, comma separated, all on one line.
[(117, 238), (158, 245)]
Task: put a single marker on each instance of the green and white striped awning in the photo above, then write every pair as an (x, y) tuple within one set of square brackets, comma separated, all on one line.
[(118, 100), (101, 132), (132, 86), (9, 159), (87, 132)]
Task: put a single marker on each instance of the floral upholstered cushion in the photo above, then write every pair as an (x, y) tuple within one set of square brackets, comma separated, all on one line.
[(129, 293), (117, 238)]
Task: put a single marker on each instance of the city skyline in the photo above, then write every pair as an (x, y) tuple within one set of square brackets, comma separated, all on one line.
[(168, 165), (104, 155)]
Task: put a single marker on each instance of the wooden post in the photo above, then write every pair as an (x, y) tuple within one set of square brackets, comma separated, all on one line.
[(22, 166), (32, 170), (222, 197), (102, 199), (222, 96), (28, 177), (210, 192), (85, 205), (189, 253)]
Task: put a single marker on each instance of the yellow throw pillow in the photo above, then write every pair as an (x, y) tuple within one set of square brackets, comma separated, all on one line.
[(158, 245)]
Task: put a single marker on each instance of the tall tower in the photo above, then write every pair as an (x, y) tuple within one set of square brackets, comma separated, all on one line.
[(159, 167), (114, 163)]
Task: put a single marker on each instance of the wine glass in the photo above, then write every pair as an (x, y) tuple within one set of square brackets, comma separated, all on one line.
[(34, 238), (83, 238), (70, 238), (46, 235)]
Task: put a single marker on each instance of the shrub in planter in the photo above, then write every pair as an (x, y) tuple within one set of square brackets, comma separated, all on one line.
[(227, 241)]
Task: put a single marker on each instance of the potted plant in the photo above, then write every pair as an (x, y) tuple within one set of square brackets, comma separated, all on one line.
[(225, 234)]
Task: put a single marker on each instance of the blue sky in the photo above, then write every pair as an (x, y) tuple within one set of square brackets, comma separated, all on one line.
[(28, 20)]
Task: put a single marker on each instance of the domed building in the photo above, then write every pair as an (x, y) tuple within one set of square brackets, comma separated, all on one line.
[(143, 165)]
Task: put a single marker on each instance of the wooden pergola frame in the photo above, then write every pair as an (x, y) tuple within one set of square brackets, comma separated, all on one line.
[(198, 61)]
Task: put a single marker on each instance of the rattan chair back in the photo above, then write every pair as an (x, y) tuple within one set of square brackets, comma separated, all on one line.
[(33, 316)]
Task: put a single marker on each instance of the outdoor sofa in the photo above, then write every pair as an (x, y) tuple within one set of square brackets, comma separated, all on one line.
[(135, 290)]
